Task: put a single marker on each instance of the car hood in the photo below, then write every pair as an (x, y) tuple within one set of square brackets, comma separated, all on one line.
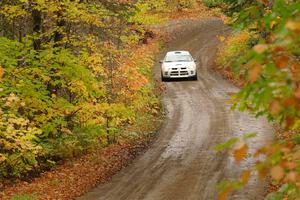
[(178, 64)]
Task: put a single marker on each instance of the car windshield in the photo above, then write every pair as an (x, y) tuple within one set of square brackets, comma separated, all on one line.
[(178, 58)]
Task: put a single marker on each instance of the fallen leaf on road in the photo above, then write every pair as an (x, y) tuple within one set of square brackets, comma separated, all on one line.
[(240, 151), (224, 194), (245, 177), (221, 38)]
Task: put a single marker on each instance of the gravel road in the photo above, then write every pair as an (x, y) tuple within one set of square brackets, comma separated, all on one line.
[(182, 163)]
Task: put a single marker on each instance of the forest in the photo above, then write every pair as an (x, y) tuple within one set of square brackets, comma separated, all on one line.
[(70, 78), (75, 77)]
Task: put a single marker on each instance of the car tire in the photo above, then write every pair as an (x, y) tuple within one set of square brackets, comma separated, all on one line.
[(195, 78), (163, 79)]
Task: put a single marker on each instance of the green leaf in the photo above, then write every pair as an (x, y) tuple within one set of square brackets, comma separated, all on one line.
[(228, 144)]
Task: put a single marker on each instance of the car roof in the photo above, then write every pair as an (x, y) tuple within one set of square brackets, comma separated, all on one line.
[(178, 53)]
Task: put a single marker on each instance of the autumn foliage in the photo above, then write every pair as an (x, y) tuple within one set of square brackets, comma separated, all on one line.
[(73, 76), (271, 70)]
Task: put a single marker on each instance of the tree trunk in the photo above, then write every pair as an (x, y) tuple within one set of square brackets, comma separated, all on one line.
[(37, 28), (58, 35)]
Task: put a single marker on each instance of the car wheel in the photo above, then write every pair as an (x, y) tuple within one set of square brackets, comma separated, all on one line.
[(195, 78), (163, 79)]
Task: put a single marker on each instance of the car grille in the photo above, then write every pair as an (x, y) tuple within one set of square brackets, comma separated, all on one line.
[(182, 71), (173, 73)]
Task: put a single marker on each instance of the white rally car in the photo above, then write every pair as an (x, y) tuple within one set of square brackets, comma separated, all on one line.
[(178, 64)]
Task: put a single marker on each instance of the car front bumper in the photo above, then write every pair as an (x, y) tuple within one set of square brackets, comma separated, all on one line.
[(179, 73)]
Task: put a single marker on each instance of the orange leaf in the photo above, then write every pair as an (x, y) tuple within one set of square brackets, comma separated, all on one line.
[(275, 107), (288, 123), (291, 177), (262, 172), (289, 165), (261, 151), (265, 2), (1, 72), (245, 177), (260, 48), (254, 73), (285, 150), (296, 155), (277, 172), (290, 102), (281, 61), (292, 25), (278, 49), (240, 151), (297, 93), (224, 194), (295, 68)]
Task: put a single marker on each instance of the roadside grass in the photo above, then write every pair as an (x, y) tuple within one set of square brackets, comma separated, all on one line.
[(23, 197)]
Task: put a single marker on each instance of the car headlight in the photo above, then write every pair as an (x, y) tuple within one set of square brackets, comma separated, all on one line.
[(166, 68), (192, 67)]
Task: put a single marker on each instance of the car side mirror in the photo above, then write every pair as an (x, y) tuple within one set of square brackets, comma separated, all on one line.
[(161, 61)]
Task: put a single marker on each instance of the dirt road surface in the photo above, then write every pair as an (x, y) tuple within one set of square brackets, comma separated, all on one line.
[(182, 164)]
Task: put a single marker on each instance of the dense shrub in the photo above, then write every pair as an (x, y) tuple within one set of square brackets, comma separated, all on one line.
[(235, 46), (229, 6), (212, 3)]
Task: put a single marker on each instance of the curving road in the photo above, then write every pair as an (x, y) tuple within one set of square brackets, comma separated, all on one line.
[(182, 164)]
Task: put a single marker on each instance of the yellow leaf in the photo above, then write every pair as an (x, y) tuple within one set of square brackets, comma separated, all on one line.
[(2, 158), (221, 38), (277, 172), (273, 23), (66, 130), (240, 151)]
